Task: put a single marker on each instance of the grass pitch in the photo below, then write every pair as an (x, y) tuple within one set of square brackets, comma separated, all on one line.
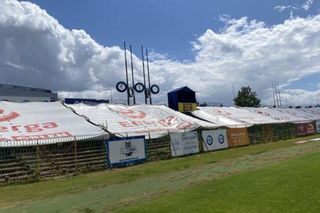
[(273, 177)]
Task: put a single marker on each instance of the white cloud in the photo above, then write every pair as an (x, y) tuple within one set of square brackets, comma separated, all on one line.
[(36, 50), (307, 5)]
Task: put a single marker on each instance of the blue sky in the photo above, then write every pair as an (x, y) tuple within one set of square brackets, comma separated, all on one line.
[(165, 26), (75, 47)]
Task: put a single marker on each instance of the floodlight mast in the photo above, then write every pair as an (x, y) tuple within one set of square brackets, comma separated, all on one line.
[(132, 76), (126, 67), (149, 85), (144, 77)]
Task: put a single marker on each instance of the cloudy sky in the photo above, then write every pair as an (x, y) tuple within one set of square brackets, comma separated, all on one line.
[(76, 47)]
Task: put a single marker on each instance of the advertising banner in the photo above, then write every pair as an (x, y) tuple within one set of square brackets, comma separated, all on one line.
[(310, 128), (318, 126), (301, 129), (27, 124), (149, 120), (238, 137), (305, 129), (214, 139), (130, 150), (184, 143)]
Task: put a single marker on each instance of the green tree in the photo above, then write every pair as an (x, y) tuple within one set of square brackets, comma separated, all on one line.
[(246, 98)]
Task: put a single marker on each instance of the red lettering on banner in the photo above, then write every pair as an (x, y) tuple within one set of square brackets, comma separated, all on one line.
[(184, 125), (50, 125), (222, 112), (33, 128), (137, 123), (167, 121), (125, 124), (132, 114), (3, 129), (29, 127), (44, 136), (15, 128), (8, 117)]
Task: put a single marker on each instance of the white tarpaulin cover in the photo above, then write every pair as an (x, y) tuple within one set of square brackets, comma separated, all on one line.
[(184, 143), (26, 124), (209, 114), (140, 119), (277, 115), (310, 113), (297, 113), (214, 139), (239, 115)]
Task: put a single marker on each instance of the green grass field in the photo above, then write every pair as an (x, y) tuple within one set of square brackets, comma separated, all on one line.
[(273, 177)]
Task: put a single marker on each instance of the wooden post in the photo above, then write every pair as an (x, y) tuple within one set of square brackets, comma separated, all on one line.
[(38, 161), (76, 153)]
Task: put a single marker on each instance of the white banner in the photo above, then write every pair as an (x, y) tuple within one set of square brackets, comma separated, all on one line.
[(214, 139), (318, 126), (26, 124), (127, 150), (184, 143), (140, 119)]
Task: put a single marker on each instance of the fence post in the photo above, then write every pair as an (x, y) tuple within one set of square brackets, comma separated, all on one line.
[(76, 153), (38, 162)]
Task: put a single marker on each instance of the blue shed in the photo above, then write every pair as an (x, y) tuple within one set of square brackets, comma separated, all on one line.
[(182, 99)]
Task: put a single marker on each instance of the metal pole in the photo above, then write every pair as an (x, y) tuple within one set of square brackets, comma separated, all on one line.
[(148, 74), (132, 76), (126, 66), (279, 92), (274, 99), (144, 77)]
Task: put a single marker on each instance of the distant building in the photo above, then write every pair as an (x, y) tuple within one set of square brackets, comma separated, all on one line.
[(84, 101), (16, 93)]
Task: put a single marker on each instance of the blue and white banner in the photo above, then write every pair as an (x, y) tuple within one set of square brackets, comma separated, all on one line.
[(126, 150), (214, 139), (184, 143)]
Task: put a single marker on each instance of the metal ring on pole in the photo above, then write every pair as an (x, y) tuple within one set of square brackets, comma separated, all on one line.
[(155, 89), (121, 86), (139, 87)]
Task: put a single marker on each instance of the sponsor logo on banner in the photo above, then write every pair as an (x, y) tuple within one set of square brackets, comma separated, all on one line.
[(132, 113), (209, 140), (214, 139), (221, 139), (123, 151), (7, 117), (128, 148)]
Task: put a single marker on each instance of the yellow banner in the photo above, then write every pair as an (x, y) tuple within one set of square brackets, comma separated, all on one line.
[(187, 107)]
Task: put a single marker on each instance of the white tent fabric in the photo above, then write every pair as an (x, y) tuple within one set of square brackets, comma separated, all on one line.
[(27, 124), (310, 113), (140, 119), (239, 115), (297, 113), (208, 114), (277, 115)]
